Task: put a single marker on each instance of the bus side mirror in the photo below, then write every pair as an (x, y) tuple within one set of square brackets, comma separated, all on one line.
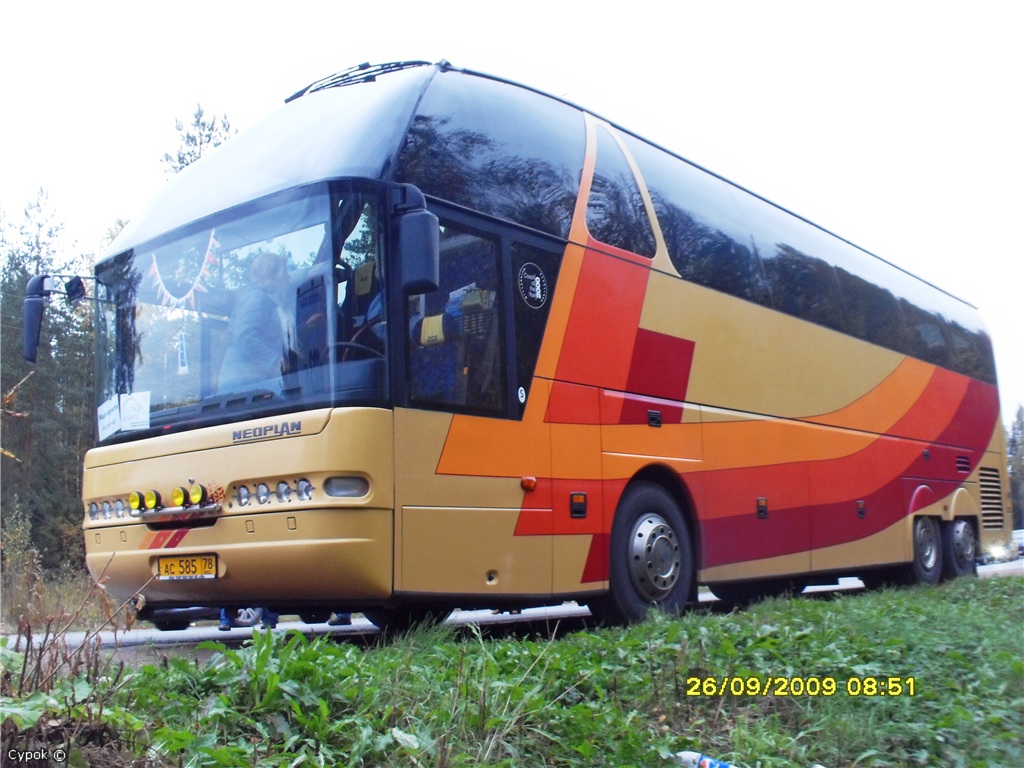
[(37, 291), (419, 252)]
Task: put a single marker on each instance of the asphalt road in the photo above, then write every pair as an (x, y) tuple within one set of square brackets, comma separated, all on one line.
[(143, 639)]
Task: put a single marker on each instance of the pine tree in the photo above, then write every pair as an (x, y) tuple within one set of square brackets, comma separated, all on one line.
[(201, 136), (1015, 457), (50, 441)]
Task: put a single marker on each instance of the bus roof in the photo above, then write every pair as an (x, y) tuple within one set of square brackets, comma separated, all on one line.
[(500, 148)]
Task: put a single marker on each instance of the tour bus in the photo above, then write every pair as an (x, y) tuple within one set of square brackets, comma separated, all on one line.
[(427, 339)]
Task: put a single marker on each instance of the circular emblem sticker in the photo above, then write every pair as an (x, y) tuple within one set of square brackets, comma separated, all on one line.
[(533, 286)]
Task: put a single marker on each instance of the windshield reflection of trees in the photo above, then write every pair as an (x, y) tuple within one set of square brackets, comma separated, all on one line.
[(471, 169)]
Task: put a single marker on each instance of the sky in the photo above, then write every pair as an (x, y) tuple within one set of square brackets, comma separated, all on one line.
[(897, 125)]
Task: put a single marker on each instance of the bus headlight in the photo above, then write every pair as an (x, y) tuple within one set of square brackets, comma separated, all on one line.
[(283, 492), (304, 490), (244, 496), (263, 493)]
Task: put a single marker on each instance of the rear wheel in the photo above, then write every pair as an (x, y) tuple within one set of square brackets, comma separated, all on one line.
[(959, 548), (245, 617), (926, 567), (651, 557), (171, 625)]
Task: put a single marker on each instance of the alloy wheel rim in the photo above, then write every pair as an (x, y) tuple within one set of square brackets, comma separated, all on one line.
[(654, 557)]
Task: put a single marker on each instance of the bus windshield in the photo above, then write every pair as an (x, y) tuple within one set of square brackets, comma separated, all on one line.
[(272, 307)]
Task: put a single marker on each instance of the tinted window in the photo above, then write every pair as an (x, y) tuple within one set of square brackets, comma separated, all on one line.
[(706, 235), (794, 256), (615, 209), (496, 148), (926, 334), (866, 283)]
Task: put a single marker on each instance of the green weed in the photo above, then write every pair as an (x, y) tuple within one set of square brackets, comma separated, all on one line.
[(612, 697)]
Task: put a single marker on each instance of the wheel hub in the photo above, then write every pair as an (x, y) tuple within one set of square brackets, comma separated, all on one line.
[(654, 561), (927, 545)]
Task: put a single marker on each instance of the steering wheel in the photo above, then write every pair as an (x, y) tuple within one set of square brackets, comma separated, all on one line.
[(355, 344)]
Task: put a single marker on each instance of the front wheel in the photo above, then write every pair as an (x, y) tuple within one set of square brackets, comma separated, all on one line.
[(651, 557)]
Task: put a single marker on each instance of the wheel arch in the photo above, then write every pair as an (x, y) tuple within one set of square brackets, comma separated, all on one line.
[(660, 474)]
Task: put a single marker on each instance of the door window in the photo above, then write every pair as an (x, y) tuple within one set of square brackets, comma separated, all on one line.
[(456, 344)]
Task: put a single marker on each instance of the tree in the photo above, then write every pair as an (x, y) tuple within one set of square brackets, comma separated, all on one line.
[(1015, 457), (201, 136), (44, 483)]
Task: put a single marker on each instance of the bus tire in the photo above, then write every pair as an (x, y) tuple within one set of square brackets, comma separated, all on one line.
[(651, 558), (926, 567), (245, 617), (171, 625), (959, 548)]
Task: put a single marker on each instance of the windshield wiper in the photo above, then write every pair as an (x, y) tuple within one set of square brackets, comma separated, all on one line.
[(361, 73)]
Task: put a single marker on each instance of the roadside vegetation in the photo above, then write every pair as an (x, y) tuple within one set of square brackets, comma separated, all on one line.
[(614, 697)]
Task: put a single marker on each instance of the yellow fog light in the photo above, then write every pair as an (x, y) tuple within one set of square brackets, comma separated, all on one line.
[(180, 496), (152, 499), (197, 493), (136, 500)]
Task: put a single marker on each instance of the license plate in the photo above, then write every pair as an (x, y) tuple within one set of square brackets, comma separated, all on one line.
[(187, 567)]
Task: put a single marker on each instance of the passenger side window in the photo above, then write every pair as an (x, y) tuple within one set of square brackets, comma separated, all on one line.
[(456, 335), (615, 210)]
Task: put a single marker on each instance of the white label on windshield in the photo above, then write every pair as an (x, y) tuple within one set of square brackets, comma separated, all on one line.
[(135, 411), (108, 418)]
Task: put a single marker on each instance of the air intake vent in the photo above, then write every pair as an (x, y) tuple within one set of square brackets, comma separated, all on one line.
[(963, 464), (992, 514)]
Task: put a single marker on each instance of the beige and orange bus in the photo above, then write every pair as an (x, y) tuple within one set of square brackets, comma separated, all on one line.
[(427, 339)]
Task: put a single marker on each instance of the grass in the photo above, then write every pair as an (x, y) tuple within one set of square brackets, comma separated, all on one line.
[(614, 697), (69, 598)]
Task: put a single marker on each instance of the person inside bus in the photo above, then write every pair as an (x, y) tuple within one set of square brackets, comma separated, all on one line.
[(262, 329)]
